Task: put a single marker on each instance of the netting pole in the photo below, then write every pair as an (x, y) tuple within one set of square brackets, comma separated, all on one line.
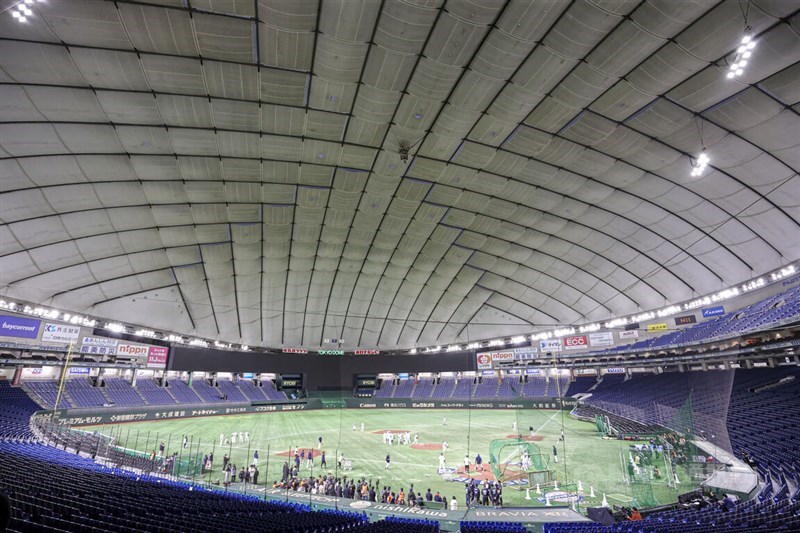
[(247, 465), (266, 474)]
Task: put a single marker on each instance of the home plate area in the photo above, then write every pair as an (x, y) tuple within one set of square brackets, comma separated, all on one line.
[(459, 475)]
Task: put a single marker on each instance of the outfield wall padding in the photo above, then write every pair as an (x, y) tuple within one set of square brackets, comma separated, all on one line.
[(116, 415)]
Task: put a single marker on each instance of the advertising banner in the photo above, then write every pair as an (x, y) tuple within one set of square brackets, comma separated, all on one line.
[(717, 310), (615, 370), (157, 357), (629, 334), (603, 338), (99, 345), (525, 354), (484, 360), (132, 350), (550, 345), (60, 333), (79, 370), (684, 320), (17, 326), (576, 342), (656, 327), (503, 356), (586, 371), (248, 375)]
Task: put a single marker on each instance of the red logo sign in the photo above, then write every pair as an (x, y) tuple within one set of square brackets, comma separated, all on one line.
[(484, 359), (575, 343), (367, 352), (294, 350), (157, 357)]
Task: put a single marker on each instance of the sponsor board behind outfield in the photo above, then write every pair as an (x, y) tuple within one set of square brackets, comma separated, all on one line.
[(60, 333), (576, 342), (603, 338), (20, 327)]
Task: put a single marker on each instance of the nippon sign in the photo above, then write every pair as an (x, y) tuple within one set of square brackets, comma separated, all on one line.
[(17, 326), (157, 357), (550, 345), (99, 345), (603, 338), (629, 334), (717, 310), (503, 356), (484, 360), (132, 350), (576, 342), (60, 333), (294, 350)]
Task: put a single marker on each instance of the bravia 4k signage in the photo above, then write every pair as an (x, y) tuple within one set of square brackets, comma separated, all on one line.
[(17, 326)]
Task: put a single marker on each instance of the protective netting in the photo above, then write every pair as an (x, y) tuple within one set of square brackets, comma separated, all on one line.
[(514, 459)]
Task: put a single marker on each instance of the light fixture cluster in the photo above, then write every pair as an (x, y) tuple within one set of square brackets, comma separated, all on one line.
[(23, 10), (743, 53), (700, 164)]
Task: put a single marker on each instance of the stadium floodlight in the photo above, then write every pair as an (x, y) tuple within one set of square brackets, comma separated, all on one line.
[(115, 327), (743, 52)]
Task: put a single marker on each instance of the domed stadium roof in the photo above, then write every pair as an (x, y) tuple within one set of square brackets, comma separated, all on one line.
[(236, 169)]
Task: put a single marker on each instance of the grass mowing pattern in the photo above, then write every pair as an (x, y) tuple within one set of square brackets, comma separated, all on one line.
[(582, 456)]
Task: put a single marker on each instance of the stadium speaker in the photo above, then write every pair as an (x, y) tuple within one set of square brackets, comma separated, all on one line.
[(601, 515)]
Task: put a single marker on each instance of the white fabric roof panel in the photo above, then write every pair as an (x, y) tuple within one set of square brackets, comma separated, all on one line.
[(550, 150)]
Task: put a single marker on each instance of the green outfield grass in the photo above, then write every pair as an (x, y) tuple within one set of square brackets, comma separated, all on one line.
[(583, 455)]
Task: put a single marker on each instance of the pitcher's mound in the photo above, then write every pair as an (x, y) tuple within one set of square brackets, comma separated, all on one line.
[(527, 438), (427, 446)]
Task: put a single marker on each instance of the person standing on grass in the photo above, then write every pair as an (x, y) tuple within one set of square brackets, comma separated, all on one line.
[(444, 421), (247, 436), (210, 460), (388, 462), (478, 462), (233, 437), (555, 453), (362, 427), (221, 439), (161, 449), (319, 443), (185, 441), (453, 504), (255, 458), (255, 476), (322, 463), (310, 462), (466, 463)]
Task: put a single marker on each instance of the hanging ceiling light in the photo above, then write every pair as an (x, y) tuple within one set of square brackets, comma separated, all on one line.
[(700, 164), (22, 12), (743, 54)]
